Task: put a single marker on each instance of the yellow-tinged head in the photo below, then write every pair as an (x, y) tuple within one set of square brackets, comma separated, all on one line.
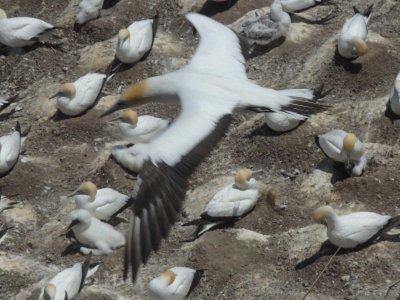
[(169, 276), (349, 142), (86, 188), (361, 45), (322, 214), (129, 116), (66, 90), (50, 290), (397, 85), (133, 95), (242, 176), (123, 34)]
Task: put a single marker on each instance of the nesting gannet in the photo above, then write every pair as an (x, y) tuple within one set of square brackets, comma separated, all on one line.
[(344, 147), (349, 231), (139, 129), (3, 231), (280, 122), (10, 148), (262, 30), (351, 43), (21, 31), (209, 88), (129, 158), (174, 284), (74, 98), (88, 10), (99, 237), (67, 284), (101, 203), (290, 6), (395, 97), (136, 40), (231, 203)]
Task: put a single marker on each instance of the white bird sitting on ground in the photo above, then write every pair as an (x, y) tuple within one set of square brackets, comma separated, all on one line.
[(344, 147), (351, 43), (136, 40), (75, 98), (280, 122), (174, 284), (129, 158), (10, 148), (67, 284), (103, 204), (210, 88), (352, 230), (291, 6), (139, 129), (21, 31), (262, 30), (395, 97), (99, 237), (87, 10), (232, 203)]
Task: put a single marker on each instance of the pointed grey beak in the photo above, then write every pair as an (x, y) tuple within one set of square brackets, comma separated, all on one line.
[(56, 95), (114, 120), (116, 107), (74, 193)]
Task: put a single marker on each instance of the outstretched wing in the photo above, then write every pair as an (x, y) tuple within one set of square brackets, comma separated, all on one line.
[(219, 51)]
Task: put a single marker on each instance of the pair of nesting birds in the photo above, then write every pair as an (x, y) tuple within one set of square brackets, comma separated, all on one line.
[(210, 88), (344, 147)]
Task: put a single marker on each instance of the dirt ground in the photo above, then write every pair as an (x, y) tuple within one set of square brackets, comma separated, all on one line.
[(59, 154)]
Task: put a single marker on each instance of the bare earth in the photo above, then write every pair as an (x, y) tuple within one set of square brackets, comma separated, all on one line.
[(256, 258)]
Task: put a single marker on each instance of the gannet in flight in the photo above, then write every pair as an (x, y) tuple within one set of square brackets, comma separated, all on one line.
[(351, 43), (20, 32), (231, 203), (351, 230), (395, 97), (67, 284), (87, 10), (344, 147), (10, 148), (262, 30), (140, 129), (99, 237), (76, 97), (103, 204), (209, 88), (174, 284)]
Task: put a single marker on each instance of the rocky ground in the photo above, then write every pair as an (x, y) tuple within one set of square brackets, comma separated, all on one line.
[(256, 258)]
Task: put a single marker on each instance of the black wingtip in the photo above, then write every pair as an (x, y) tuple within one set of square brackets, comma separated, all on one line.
[(366, 13), (319, 92), (316, 139), (85, 269), (196, 280), (18, 127)]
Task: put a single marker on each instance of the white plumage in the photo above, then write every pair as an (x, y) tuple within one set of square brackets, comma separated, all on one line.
[(21, 31), (395, 97), (101, 203), (210, 88), (67, 284), (140, 129), (353, 35), (10, 148), (88, 10), (349, 231), (135, 41), (75, 98), (297, 5), (128, 157), (280, 122), (173, 284), (262, 30), (99, 237)]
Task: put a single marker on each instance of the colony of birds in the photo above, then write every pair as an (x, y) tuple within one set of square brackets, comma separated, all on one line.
[(160, 155)]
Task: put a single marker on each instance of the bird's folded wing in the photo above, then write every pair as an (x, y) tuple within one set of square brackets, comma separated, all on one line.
[(219, 51), (163, 185)]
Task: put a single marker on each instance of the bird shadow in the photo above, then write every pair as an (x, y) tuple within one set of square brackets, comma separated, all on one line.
[(390, 114), (336, 169), (328, 249), (253, 50), (265, 130), (347, 64), (109, 4), (211, 8), (295, 18)]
